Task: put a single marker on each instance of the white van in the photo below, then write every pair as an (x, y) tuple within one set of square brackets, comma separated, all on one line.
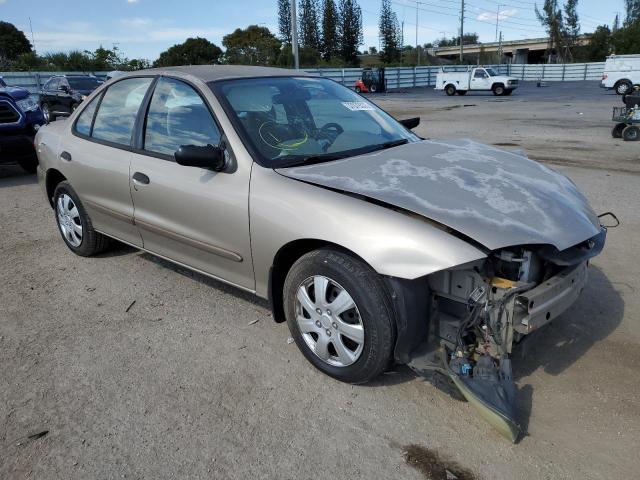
[(621, 73)]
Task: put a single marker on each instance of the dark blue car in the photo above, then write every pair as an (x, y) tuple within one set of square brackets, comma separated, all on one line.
[(20, 119)]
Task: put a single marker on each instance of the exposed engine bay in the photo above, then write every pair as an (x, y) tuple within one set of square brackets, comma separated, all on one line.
[(479, 311)]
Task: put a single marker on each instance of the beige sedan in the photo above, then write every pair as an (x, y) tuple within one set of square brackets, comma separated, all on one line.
[(376, 246)]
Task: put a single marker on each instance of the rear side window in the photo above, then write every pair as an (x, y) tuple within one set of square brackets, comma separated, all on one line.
[(118, 110), (178, 116), (83, 124)]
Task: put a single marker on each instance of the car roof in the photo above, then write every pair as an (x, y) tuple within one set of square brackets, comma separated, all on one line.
[(211, 73)]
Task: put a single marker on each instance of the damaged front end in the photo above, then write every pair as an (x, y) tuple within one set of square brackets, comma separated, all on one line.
[(478, 311)]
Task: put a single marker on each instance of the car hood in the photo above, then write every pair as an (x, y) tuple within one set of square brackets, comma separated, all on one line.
[(495, 197), (16, 93)]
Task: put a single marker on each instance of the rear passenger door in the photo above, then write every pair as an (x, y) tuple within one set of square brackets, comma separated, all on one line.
[(99, 156), (191, 215)]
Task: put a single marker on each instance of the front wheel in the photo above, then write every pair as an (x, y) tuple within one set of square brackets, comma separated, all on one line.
[(498, 90), (340, 315), (631, 134), (616, 132), (46, 111), (74, 223), (358, 90)]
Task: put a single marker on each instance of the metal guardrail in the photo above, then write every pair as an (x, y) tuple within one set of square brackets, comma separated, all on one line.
[(397, 77)]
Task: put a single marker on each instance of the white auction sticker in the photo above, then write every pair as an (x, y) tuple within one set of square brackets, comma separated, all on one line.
[(356, 106)]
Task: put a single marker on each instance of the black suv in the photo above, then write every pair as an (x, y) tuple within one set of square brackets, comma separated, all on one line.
[(61, 95)]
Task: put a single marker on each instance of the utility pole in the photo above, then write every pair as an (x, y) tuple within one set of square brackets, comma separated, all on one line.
[(417, 49), (500, 48), (462, 31), (294, 34), (497, 20), (33, 41), (402, 45)]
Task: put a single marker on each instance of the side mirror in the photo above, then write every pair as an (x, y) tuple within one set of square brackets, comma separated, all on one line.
[(63, 88), (209, 156), (410, 123)]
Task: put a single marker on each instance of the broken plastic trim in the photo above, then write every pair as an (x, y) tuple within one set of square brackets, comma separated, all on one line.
[(491, 391)]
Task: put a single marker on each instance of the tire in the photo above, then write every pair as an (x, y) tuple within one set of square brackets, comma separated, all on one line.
[(462, 93), (370, 320), (498, 90), (358, 90), (373, 88), (91, 242), (631, 134), (29, 163), (622, 87), (616, 132), (48, 114), (450, 90)]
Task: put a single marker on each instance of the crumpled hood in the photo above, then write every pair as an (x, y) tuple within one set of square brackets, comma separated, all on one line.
[(16, 93), (495, 197)]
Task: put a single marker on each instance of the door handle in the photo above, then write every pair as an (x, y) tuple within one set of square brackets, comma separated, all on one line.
[(65, 156), (140, 178)]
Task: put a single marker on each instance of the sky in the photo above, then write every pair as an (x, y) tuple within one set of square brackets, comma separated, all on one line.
[(144, 28)]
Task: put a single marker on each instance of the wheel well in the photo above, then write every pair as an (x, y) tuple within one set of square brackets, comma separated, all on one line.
[(449, 85), (498, 84), (622, 80), (282, 263), (54, 177)]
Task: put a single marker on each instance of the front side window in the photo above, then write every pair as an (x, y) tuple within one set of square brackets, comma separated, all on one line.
[(480, 74), (178, 116), (83, 124), (118, 110), (291, 120)]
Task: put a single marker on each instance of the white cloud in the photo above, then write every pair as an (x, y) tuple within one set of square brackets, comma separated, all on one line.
[(132, 1), (136, 22), (503, 15)]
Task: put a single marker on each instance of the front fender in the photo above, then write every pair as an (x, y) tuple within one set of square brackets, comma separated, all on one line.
[(392, 242)]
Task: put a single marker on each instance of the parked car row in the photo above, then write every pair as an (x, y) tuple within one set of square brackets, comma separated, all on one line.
[(21, 115)]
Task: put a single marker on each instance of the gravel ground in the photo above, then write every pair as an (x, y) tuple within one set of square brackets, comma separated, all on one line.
[(194, 380)]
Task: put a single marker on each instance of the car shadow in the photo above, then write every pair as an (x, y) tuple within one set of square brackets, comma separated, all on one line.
[(208, 281), (14, 176), (558, 345)]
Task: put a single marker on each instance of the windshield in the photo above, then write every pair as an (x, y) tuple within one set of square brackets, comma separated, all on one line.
[(83, 83), (491, 72), (288, 121)]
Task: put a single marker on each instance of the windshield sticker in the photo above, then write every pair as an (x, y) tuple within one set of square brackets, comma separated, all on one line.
[(357, 106)]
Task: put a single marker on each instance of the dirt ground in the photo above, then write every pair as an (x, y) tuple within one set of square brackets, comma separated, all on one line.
[(138, 369)]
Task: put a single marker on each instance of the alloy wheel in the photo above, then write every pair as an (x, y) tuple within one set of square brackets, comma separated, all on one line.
[(329, 321), (69, 220)]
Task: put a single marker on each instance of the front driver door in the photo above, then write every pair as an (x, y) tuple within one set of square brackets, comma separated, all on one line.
[(191, 215), (480, 80)]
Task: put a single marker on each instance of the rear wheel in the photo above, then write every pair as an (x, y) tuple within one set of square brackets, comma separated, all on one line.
[(358, 90), (498, 90), (339, 314), (373, 88), (74, 223), (622, 87), (450, 90), (616, 132), (29, 163), (631, 134)]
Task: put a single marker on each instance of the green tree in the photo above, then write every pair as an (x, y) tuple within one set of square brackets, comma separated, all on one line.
[(467, 39), (571, 27), (389, 34), (349, 30), (284, 20), (12, 42), (600, 45), (252, 46), (551, 19), (616, 24), (633, 11), (308, 25), (329, 30), (627, 39), (194, 51)]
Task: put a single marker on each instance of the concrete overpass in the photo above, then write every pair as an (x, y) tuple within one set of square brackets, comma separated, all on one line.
[(529, 50)]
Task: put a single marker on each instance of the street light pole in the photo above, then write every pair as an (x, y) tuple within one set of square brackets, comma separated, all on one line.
[(417, 49), (294, 35), (462, 31)]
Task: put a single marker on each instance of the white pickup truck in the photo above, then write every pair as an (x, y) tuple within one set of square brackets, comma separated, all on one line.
[(475, 79)]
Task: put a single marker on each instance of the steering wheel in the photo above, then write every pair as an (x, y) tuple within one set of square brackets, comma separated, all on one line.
[(328, 134), (282, 137)]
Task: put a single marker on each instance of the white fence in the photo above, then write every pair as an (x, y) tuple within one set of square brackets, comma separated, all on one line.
[(404, 77)]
